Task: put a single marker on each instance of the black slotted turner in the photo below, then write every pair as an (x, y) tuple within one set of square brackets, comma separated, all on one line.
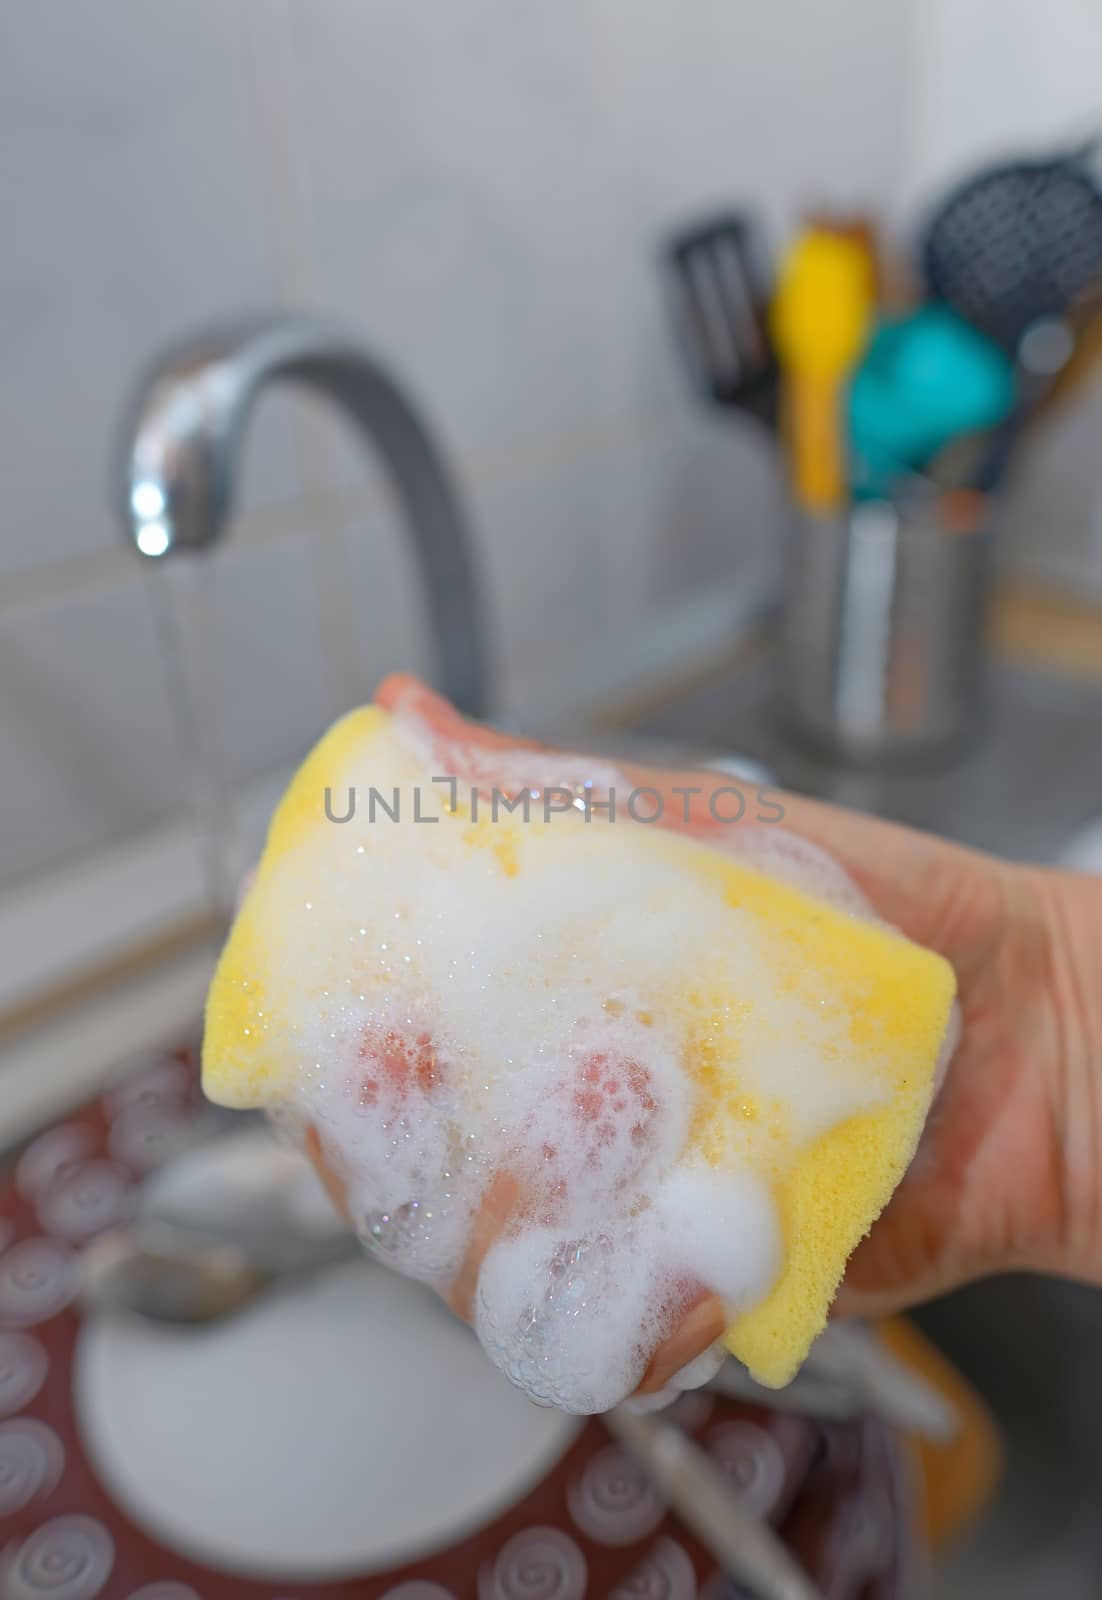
[(722, 282)]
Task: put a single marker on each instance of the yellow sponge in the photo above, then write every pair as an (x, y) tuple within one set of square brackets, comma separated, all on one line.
[(778, 978)]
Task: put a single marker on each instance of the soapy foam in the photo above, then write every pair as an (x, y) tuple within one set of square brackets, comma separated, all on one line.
[(693, 1376), (795, 861), (451, 1021)]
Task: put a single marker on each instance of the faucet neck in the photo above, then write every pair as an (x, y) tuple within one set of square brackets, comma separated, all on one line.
[(183, 448)]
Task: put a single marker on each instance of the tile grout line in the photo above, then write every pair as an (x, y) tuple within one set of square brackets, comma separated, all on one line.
[(81, 575), (324, 510)]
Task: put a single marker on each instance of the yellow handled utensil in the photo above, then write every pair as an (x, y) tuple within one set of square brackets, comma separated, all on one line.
[(820, 320)]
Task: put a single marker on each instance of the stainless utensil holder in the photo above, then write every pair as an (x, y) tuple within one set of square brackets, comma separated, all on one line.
[(882, 629)]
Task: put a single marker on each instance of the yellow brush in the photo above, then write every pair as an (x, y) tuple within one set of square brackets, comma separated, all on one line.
[(882, 1000)]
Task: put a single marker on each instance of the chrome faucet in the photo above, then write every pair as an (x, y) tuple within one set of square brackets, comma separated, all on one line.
[(183, 443)]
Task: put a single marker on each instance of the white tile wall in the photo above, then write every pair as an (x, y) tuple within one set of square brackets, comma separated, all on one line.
[(479, 188), (459, 207), (273, 674), (86, 753), (1053, 528), (988, 78), (90, 753), (610, 539), (687, 500), (131, 208), (790, 102)]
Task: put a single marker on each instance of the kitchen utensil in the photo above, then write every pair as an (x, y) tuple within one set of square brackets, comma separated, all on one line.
[(214, 1229), (882, 626), (721, 277), (1017, 242), (170, 1275), (1044, 349), (849, 1373), (927, 378), (862, 230), (820, 320), (1079, 371), (982, 461), (708, 1503), (247, 1189)]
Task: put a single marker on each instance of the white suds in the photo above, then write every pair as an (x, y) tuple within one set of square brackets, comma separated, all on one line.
[(523, 1001)]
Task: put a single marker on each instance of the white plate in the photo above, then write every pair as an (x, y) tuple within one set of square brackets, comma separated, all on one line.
[(332, 1430)]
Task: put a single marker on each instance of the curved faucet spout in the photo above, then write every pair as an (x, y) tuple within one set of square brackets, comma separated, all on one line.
[(183, 445)]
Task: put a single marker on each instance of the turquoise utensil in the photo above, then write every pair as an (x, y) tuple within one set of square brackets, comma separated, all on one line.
[(925, 379)]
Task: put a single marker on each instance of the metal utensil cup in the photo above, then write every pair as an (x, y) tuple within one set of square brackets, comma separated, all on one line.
[(882, 628)]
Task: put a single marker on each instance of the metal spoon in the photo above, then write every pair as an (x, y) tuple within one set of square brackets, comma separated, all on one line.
[(175, 1276)]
